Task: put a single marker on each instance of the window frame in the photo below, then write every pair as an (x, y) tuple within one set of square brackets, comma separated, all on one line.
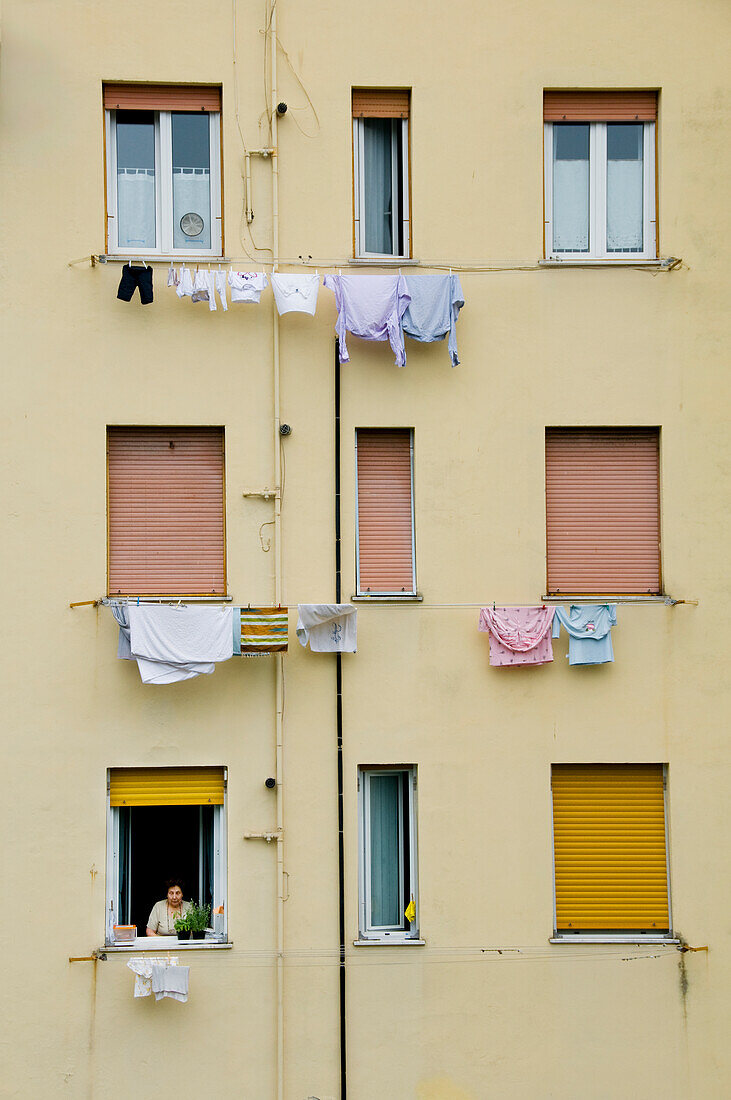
[(362, 593), (598, 195), (368, 933), (164, 232), (220, 872), (399, 143)]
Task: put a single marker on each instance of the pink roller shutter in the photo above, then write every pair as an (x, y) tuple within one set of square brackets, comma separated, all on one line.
[(166, 511), (603, 511), (385, 511)]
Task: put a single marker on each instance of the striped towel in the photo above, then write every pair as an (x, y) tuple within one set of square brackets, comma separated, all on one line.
[(262, 630)]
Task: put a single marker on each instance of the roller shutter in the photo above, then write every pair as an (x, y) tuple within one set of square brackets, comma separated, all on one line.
[(166, 511), (610, 848), (162, 97), (381, 102), (385, 511), (603, 511), (599, 106), (166, 786)]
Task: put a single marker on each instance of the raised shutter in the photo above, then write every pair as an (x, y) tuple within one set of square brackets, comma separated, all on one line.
[(166, 786), (162, 97), (610, 847), (381, 102), (166, 511), (599, 106), (603, 511), (385, 511)]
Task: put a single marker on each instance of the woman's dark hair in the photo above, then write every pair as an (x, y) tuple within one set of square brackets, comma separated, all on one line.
[(170, 882)]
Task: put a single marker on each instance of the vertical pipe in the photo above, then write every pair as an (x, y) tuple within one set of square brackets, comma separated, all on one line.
[(279, 671), (339, 721)]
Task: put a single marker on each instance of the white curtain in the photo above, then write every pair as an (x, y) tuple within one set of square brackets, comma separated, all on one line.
[(135, 208), (384, 822), (624, 206), (191, 195), (570, 205), (377, 198)]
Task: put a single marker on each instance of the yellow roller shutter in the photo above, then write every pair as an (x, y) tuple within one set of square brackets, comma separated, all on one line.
[(610, 847), (166, 786)]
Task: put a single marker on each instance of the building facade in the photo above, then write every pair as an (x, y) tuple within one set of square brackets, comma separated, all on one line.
[(466, 880)]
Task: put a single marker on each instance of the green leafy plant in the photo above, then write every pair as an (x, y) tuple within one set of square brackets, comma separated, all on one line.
[(198, 917), (181, 923)]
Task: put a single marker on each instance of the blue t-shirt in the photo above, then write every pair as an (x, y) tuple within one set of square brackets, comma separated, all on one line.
[(589, 628)]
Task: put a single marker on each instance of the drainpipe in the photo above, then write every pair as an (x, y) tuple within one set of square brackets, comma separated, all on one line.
[(339, 721), (279, 685)]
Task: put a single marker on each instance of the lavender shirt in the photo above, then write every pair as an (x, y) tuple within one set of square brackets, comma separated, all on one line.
[(370, 306)]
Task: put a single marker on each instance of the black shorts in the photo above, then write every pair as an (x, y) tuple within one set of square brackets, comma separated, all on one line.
[(133, 277)]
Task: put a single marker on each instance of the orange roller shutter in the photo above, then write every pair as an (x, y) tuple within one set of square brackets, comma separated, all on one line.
[(385, 511), (166, 787), (162, 97), (599, 106), (381, 102), (603, 511), (610, 847), (166, 511)]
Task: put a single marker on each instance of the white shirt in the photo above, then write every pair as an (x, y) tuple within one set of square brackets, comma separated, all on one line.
[(246, 286), (295, 293)]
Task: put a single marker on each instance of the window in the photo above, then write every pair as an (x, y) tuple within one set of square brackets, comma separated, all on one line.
[(381, 172), (600, 175), (385, 512), (165, 512), (610, 851), (603, 511), (165, 822), (163, 169), (387, 828)]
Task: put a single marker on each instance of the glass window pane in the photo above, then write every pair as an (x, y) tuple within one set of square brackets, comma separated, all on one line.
[(385, 829), (624, 187), (570, 187), (135, 135), (191, 181), (377, 200)]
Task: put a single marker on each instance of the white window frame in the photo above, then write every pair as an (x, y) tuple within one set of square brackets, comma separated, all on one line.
[(366, 931), (164, 189), (598, 197), (220, 875), (360, 591), (399, 138)]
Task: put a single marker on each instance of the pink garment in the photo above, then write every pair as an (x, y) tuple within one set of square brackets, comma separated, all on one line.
[(518, 635)]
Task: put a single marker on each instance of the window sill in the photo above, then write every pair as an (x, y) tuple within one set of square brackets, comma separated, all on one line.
[(171, 944), (568, 597), (156, 258), (639, 940), (166, 599), (383, 261), (408, 597), (651, 261), (389, 943)]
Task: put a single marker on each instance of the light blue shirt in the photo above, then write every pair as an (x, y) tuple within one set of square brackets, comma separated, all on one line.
[(432, 312), (589, 629)]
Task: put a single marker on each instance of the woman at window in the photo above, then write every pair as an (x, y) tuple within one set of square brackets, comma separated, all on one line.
[(161, 921)]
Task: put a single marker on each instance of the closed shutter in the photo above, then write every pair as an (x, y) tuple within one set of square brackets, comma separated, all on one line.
[(162, 97), (166, 511), (610, 848), (381, 102), (603, 511), (385, 511), (166, 786), (599, 106)]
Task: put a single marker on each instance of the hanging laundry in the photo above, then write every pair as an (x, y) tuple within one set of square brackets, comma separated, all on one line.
[(329, 627), (132, 278), (432, 312), (518, 635), (246, 286), (589, 629), (295, 293), (260, 630), (141, 967), (170, 981), (370, 306), (201, 288), (219, 284), (173, 643), (184, 286), (173, 276)]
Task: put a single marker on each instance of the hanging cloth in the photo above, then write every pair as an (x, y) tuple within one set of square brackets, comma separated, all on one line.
[(589, 627), (328, 627), (432, 312), (261, 630), (370, 306), (295, 293), (518, 635)]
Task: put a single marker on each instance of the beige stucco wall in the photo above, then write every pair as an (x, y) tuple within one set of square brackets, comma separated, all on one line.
[(452, 1020)]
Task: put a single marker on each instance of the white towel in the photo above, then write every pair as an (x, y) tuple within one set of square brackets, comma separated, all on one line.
[(329, 627), (170, 981), (172, 643), (142, 967)]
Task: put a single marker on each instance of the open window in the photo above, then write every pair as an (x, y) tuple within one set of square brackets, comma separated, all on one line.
[(163, 169), (388, 870), (165, 823), (381, 172)]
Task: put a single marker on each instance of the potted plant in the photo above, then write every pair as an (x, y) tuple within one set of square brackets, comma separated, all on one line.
[(197, 919), (182, 927)]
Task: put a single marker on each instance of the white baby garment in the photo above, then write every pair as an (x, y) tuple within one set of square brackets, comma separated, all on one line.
[(246, 286), (295, 293)]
